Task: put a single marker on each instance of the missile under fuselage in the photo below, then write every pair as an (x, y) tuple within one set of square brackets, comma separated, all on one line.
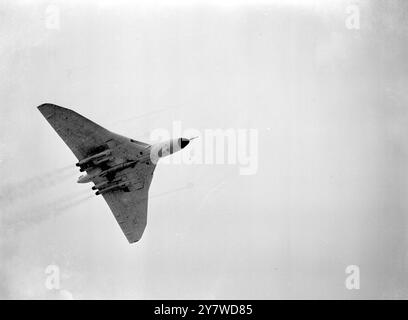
[(111, 187), (100, 185), (89, 177), (107, 183), (118, 167), (93, 157)]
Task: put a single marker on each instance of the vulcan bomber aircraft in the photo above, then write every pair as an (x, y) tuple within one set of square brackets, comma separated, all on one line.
[(120, 168)]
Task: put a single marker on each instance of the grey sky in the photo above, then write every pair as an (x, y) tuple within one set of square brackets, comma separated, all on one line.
[(330, 105)]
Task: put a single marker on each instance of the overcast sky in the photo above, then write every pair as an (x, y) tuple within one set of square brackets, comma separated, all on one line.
[(329, 105)]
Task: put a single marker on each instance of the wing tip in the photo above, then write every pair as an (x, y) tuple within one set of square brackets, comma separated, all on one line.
[(133, 240), (45, 105), (47, 109), (50, 109), (134, 237), (48, 105)]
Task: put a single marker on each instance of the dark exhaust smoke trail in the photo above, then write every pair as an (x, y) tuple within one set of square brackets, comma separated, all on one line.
[(12, 192), (74, 203), (21, 219), (187, 186)]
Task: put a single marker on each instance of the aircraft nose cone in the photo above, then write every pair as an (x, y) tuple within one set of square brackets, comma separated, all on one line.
[(184, 142)]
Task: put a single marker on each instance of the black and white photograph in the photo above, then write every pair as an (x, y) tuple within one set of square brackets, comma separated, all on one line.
[(204, 150)]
